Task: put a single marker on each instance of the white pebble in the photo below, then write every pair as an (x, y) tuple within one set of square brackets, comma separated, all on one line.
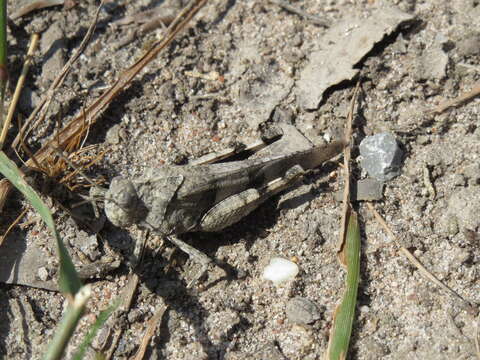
[(280, 270)]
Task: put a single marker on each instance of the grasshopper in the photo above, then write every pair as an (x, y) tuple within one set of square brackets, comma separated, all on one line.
[(172, 200)]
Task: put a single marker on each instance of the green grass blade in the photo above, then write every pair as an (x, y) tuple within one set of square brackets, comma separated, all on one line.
[(3, 57), (101, 319), (69, 282), (345, 312), (68, 324)]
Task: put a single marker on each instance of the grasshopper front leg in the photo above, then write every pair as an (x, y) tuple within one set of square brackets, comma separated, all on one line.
[(234, 208)]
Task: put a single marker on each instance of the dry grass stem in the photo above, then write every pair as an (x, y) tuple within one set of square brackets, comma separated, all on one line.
[(48, 96), (151, 327), (12, 225), (76, 129), (126, 299), (21, 81), (428, 275), (36, 5), (346, 170), (458, 100)]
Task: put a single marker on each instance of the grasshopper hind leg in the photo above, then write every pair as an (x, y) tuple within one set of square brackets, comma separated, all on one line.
[(235, 207), (196, 255), (230, 211)]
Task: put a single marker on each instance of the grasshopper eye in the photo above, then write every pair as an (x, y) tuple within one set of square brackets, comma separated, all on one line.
[(121, 202)]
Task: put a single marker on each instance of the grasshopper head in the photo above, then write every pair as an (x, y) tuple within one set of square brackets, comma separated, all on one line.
[(121, 202)]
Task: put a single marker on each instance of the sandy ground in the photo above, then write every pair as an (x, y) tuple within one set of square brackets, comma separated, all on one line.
[(255, 53)]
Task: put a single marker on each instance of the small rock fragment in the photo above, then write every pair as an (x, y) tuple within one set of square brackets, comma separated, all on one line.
[(363, 190), (280, 270), (381, 156), (291, 140), (42, 273), (300, 310), (87, 244), (432, 64), (18, 263), (113, 135)]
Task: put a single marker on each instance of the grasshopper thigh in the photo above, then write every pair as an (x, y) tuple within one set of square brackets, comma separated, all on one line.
[(235, 207)]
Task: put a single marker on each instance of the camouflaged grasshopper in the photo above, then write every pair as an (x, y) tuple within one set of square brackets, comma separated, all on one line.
[(172, 200)]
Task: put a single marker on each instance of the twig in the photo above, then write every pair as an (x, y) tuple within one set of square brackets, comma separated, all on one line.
[(126, 299), (312, 18), (464, 303), (36, 5), (18, 88), (151, 327), (346, 170), (11, 226), (458, 100)]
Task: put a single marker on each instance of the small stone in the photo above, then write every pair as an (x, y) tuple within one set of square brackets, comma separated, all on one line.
[(432, 65), (280, 270), (134, 315), (42, 273), (300, 310), (423, 139), (363, 190), (381, 156), (87, 244), (113, 135)]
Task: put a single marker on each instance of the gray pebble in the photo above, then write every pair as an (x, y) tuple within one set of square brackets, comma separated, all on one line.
[(363, 190), (113, 135), (431, 65), (381, 156), (42, 273), (300, 310)]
